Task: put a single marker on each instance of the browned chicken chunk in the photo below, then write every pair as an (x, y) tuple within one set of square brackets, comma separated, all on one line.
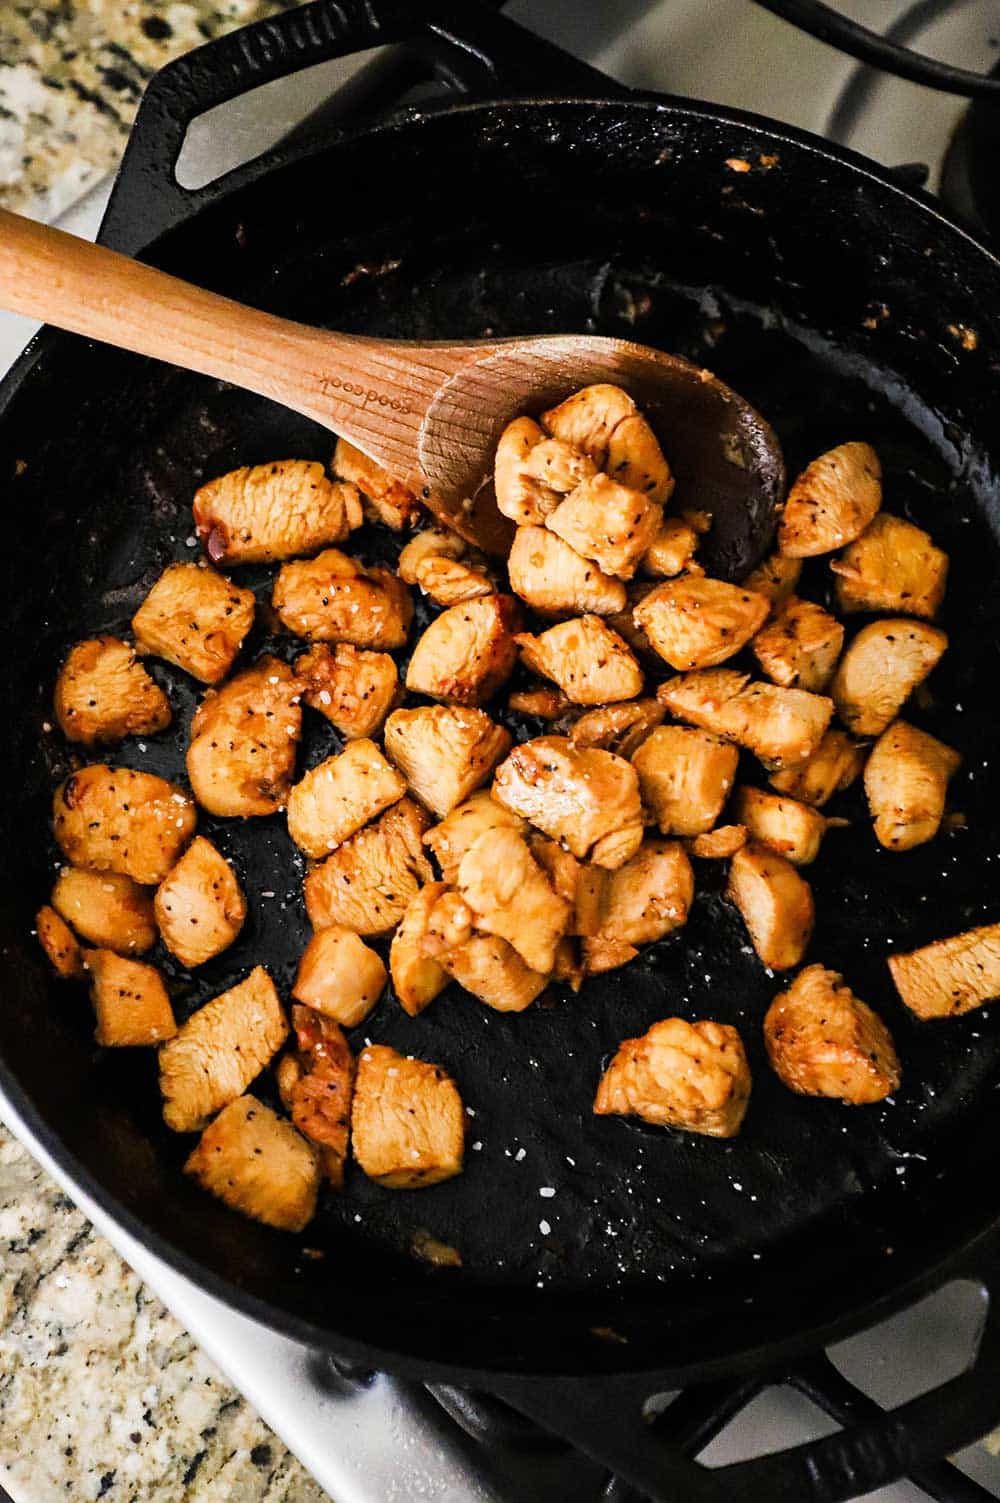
[(407, 1120), (799, 646), (644, 900), (822, 1040), (113, 819), (685, 777), (60, 945), (581, 795), (103, 693), (555, 580), (200, 906), (343, 793), (950, 976), (487, 966), (793, 829), (442, 565), (542, 700), (429, 543), (367, 884), (689, 1075), (833, 766), (719, 844), (258, 1164), (444, 751), (340, 976), (587, 420), (460, 829), (775, 578), (318, 1095), (382, 498), (333, 598), (775, 902), (618, 728), (467, 652), (781, 726), (672, 550), (892, 566), (416, 978), (607, 522), (353, 689), (244, 736), (195, 618), (108, 910), (906, 780), (880, 670), (219, 1050), (268, 512), (130, 1001), (590, 662), (696, 622), (510, 895), (831, 502), (635, 459), (532, 473)]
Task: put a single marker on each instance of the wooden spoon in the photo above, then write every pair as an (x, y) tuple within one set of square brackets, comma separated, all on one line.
[(430, 414)]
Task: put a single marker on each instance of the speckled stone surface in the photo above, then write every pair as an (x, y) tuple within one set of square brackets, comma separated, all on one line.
[(102, 1394)]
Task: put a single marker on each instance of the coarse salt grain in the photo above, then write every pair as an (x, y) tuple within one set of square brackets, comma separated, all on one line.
[(544, 1228), (546, 1192), (520, 1154)]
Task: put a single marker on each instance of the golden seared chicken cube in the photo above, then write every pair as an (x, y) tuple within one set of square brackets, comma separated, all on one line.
[(635, 459), (591, 663), (588, 419), (442, 565), (555, 580), (880, 670), (785, 825), (244, 736), (541, 700), (624, 623), (799, 646), (833, 766), (382, 498), (219, 1050), (780, 726), (103, 693), (585, 797), (950, 976), (429, 543), (333, 598), (487, 966), (259, 1164), (532, 473), (108, 910), (618, 728), (685, 777), (831, 502), (113, 819), (60, 944), (353, 689), (343, 793), (407, 1120), (130, 1001), (510, 895), (696, 622), (561, 867), (607, 522), (647, 898), (776, 905), (318, 1088), (689, 1075), (467, 652), (200, 906), (444, 751), (775, 578), (672, 550), (195, 618), (367, 884), (906, 780), (416, 978), (822, 1040), (340, 976), (719, 844), (267, 512), (475, 816), (892, 566)]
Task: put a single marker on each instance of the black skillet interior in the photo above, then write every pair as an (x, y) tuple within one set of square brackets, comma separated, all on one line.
[(842, 308)]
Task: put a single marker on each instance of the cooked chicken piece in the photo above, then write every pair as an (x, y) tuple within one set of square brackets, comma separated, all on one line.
[(719, 844), (382, 498), (492, 971), (343, 793), (607, 522), (696, 622), (317, 1089), (618, 728), (784, 825), (799, 646), (602, 955), (672, 550), (340, 976), (775, 578), (444, 751), (689, 1075), (429, 543), (581, 795), (103, 693), (467, 652), (685, 777), (588, 418), (219, 1050), (541, 700), (407, 1120), (532, 473), (822, 1040), (831, 502), (60, 945), (562, 869), (460, 829), (591, 663), (195, 618), (333, 598), (108, 910), (781, 726), (623, 622), (950, 976), (417, 978), (906, 780), (130, 1001), (647, 898), (257, 1163), (353, 689), (449, 925), (112, 819), (442, 565), (367, 884), (590, 885), (892, 566), (833, 766), (510, 895), (200, 906), (636, 459), (273, 511), (244, 736), (555, 580), (775, 902), (880, 670)]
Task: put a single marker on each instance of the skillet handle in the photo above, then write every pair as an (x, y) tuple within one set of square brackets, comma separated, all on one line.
[(463, 43)]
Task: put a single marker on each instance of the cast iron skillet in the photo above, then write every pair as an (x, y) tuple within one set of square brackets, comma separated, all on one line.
[(843, 307)]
